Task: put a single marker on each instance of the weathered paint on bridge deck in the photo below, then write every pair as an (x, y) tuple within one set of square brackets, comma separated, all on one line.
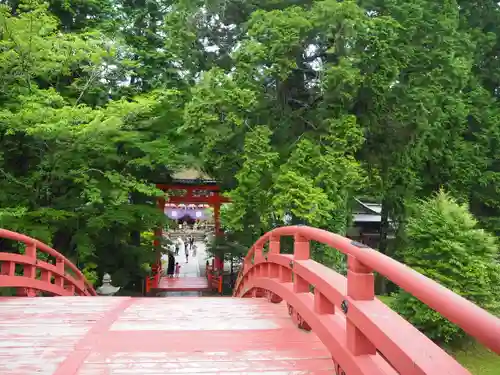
[(153, 336)]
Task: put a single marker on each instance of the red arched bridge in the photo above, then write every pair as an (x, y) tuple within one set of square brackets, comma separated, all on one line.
[(326, 323)]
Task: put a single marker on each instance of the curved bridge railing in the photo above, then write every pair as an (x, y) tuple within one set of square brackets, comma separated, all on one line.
[(363, 335), (31, 275)]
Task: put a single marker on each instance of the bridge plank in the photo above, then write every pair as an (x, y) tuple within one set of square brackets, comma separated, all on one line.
[(153, 336)]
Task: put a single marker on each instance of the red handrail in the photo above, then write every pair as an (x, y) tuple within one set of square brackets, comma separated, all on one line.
[(29, 260), (370, 325)]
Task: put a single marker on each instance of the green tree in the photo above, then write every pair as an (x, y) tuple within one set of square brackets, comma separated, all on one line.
[(76, 176), (250, 214), (73, 15), (446, 245)]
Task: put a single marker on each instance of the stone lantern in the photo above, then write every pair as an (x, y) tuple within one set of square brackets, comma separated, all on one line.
[(106, 289)]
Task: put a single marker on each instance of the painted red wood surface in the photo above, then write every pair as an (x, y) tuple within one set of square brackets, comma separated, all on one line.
[(43, 269), (183, 284), (146, 336), (358, 333), (363, 335)]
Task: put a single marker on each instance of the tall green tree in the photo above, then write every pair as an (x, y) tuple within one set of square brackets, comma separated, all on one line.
[(250, 214), (447, 246), (68, 168)]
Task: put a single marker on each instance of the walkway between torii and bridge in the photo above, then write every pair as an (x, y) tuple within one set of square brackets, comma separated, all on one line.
[(195, 277), (190, 281), (273, 324)]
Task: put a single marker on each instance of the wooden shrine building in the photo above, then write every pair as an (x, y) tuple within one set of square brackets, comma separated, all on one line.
[(366, 221)]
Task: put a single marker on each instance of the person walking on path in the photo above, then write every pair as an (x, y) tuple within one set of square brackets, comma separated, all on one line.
[(186, 251), (179, 245), (177, 269), (171, 265)]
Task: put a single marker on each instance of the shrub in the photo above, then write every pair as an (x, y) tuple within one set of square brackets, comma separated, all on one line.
[(446, 245)]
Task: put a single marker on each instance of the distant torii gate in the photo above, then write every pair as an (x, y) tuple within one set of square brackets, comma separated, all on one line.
[(190, 192)]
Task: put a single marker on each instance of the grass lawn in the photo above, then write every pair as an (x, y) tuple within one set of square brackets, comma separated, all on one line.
[(477, 359)]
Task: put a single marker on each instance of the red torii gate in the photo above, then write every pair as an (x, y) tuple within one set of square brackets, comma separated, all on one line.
[(189, 196), (191, 191)]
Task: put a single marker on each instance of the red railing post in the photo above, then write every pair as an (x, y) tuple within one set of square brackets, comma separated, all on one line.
[(274, 249), (360, 280), (8, 268), (258, 255), (274, 245), (59, 281), (29, 270), (285, 275), (155, 277), (258, 258), (70, 288), (301, 251), (322, 305), (360, 287), (247, 263), (46, 276)]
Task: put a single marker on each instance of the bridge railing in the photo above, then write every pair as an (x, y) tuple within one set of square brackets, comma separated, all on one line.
[(363, 334), (60, 278), (153, 281), (215, 278)]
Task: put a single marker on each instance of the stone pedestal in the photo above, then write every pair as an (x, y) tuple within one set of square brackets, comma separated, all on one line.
[(106, 289)]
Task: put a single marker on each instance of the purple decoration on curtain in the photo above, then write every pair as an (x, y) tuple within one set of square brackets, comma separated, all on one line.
[(179, 213)]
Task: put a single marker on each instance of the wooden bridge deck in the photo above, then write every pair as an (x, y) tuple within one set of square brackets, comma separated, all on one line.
[(153, 336)]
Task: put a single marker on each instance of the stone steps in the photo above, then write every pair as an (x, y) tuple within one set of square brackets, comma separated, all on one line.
[(197, 235)]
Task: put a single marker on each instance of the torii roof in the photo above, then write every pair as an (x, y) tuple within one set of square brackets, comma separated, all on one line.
[(192, 175)]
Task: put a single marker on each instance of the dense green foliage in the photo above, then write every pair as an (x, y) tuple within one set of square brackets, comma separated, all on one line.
[(295, 106), (69, 168), (447, 246)]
